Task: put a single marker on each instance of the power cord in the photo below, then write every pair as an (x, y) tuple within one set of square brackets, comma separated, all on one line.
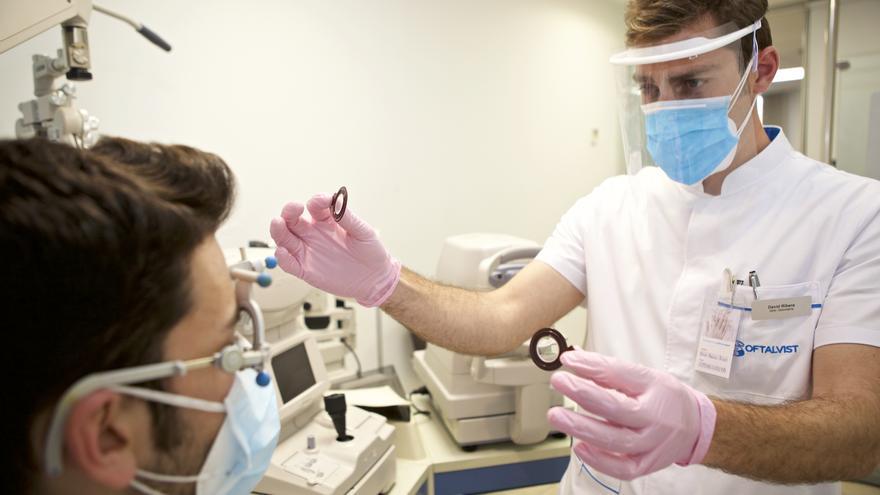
[(356, 359), (419, 391)]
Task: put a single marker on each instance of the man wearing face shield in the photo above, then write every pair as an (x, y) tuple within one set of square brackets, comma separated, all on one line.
[(687, 102), (731, 283), (127, 374)]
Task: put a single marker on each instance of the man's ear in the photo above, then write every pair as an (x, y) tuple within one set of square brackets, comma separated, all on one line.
[(100, 439), (768, 64)]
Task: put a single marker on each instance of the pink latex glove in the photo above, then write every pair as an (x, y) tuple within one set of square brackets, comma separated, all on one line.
[(647, 419), (345, 259)]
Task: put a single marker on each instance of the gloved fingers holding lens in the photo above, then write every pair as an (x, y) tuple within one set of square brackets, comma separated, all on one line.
[(546, 349), (338, 203)]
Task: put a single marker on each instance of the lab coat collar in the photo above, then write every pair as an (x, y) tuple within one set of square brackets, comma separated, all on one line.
[(752, 171)]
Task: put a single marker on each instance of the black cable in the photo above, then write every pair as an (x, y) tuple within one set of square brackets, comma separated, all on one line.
[(419, 391), (358, 361)]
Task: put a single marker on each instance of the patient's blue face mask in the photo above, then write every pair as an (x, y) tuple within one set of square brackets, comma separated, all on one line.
[(693, 139), (242, 449)]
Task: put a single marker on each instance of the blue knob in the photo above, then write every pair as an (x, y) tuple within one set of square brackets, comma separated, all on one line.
[(264, 280), (263, 379), (271, 262)]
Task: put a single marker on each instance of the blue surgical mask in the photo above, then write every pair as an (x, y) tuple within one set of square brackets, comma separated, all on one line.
[(243, 447), (693, 139)]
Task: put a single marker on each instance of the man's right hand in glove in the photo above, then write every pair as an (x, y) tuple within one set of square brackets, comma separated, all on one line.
[(345, 258)]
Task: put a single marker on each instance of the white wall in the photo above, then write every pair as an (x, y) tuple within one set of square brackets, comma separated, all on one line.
[(441, 117), (783, 108)]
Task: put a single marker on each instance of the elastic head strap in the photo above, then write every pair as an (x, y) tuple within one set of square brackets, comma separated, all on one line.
[(755, 50), (751, 67)]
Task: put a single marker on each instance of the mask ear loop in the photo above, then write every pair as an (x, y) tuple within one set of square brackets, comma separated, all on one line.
[(174, 400), (172, 478), (146, 490), (751, 67)]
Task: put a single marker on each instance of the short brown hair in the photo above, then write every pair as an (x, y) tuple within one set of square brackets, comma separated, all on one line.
[(96, 272), (650, 21), (180, 174)]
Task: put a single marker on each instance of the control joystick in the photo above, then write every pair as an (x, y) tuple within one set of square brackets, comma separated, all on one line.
[(335, 406)]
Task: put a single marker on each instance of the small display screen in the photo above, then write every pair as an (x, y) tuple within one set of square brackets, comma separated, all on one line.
[(293, 372)]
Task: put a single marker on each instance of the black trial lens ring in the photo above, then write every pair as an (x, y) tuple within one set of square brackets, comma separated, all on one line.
[(338, 213), (560, 341)]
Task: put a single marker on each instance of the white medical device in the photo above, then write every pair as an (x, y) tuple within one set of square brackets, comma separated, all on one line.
[(332, 321), (53, 113), (486, 400), (290, 305), (317, 453), (281, 303)]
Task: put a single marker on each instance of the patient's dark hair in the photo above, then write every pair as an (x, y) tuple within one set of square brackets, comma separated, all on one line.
[(94, 273), (180, 174)]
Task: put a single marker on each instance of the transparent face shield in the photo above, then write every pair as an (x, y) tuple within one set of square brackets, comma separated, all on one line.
[(685, 104)]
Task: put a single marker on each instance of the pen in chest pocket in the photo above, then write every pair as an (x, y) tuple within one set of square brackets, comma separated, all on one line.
[(754, 283)]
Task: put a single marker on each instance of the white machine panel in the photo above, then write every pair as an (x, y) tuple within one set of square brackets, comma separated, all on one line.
[(332, 467), (288, 306), (309, 459), (497, 399)]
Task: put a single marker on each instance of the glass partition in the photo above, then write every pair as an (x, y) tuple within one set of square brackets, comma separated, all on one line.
[(856, 130), (783, 104)]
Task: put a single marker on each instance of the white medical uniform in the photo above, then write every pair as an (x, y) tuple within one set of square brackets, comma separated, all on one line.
[(647, 252)]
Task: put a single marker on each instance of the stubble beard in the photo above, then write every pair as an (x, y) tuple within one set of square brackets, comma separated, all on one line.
[(178, 450)]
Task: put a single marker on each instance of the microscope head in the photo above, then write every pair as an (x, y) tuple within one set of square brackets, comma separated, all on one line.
[(76, 50)]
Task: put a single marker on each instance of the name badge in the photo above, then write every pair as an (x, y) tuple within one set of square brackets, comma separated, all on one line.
[(718, 330), (777, 309)]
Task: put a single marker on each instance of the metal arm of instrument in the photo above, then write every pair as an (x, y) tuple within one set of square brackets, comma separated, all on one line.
[(53, 114)]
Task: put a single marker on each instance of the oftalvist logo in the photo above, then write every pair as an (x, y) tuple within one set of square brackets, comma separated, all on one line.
[(741, 349)]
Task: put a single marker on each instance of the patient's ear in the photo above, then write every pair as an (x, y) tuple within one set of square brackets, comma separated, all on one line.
[(100, 438)]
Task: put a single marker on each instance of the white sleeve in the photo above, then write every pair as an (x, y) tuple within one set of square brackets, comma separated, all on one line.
[(564, 249), (851, 310)]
